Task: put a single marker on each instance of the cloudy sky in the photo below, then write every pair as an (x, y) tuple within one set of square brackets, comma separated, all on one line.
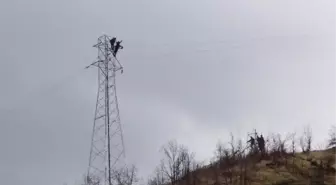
[(193, 71)]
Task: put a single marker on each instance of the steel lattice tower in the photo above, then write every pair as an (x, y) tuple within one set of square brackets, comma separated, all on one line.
[(107, 145)]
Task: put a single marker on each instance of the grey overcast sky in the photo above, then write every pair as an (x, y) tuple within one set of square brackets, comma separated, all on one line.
[(194, 71)]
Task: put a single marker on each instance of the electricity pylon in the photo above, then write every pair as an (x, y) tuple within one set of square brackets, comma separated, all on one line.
[(107, 144)]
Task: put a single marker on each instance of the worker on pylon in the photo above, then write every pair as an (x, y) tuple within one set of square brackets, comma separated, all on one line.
[(251, 141), (261, 143), (112, 42), (117, 47)]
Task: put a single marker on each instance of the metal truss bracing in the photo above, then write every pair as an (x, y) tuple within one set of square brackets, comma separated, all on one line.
[(107, 145)]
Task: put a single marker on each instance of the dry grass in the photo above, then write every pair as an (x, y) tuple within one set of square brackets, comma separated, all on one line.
[(297, 169)]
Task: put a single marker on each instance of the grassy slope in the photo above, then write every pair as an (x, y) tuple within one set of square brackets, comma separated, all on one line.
[(293, 170)]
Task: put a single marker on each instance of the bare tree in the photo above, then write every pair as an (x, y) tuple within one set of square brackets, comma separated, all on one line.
[(236, 146), (187, 159), (278, 144), (158, 178), (332, 137), (293, 143), (242, 162), (171, 165), (220, 150), (226, 159), (92, 180), (235, 157), (306, 139), (278, 148), (126, 175), (215, 169), (195, 172), (177, 161), (153, 181)]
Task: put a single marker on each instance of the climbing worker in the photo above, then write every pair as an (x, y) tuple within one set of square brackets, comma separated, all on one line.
[(251, 141), (112, 41), (261, 143), (117, 47)]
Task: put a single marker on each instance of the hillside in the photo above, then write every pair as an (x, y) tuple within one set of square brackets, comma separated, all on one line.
[(271, 169)]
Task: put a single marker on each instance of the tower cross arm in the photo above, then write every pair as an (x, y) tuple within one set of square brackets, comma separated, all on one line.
[(94, 64)]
